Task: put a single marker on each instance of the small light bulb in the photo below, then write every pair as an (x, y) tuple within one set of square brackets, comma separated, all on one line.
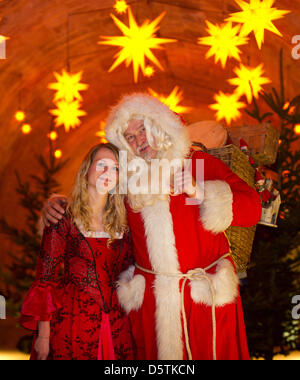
[(58, 153), (26, 129), (20, 116)]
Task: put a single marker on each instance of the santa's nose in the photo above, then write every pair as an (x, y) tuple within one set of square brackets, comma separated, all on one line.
[(141, 140)]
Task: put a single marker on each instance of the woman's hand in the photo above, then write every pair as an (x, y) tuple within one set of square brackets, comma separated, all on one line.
[(42, 347), (53, 209)]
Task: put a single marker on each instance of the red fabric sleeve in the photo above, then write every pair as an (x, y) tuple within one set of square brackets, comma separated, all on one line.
[(247, 206), (128, 257), (42, 300)]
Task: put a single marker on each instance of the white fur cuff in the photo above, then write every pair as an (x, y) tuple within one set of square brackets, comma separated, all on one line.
[(216, 210), (131, 290), (225, 282)]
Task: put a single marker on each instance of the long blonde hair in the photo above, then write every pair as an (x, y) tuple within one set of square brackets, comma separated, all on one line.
[(114, 218)]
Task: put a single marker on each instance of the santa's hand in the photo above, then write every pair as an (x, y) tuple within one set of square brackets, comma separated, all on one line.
[(53, 209), (184, 183)]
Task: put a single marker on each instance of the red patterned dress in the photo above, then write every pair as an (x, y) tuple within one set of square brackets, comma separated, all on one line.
[(87, 321)]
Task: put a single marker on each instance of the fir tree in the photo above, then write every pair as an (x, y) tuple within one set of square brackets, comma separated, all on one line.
[(18, 276), (273, 277)]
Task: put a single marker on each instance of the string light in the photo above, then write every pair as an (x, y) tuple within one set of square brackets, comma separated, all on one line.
[(58, 153), (53, 135), (26, 129), (149, 71), (297, 129), (20, 115), (121, 6)]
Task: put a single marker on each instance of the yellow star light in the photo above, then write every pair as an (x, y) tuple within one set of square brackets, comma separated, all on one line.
[(53, 135), (58, 153), (68, 86), (20, 116), (136, 44), (257, 16), (4, 38), (102, 133), (67, 114), (224, 41), (172, 101), (228, 107), (249, 81), (149, 71), (297, 129), (26, 129), (121, 6)]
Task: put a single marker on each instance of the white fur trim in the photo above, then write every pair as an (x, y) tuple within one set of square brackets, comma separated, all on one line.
[(144, 106), (163, 257), (216, 209), (131, 290), (225, 282)]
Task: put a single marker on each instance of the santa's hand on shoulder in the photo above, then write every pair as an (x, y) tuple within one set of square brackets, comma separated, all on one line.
[(183, 182)]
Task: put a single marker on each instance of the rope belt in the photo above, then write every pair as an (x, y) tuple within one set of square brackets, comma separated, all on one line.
[(194, 274)]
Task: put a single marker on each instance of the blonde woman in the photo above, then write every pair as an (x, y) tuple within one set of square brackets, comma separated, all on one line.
[(77, 316)]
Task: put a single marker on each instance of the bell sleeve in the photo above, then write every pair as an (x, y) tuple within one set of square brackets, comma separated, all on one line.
[(42, 300), (228, 200)]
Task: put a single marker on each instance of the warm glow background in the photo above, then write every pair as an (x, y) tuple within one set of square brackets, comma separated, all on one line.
[(37, 48)]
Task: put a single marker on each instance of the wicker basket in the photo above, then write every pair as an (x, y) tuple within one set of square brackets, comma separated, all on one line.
[(262, 139), (240, 238)]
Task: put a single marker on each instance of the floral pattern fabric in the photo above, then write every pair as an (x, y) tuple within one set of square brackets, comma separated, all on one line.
[(81, 304)]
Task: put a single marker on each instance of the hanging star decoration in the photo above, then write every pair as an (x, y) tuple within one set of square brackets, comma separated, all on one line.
[(121, 6), (249, 81), (149, 71), (136, 43), (68, 99), (257, 16), (172, 101), (227, 106), (68, 86), (101, 133), (224, 41), (68, 114)]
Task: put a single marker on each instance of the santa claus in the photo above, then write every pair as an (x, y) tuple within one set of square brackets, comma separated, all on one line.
[(182, 296)]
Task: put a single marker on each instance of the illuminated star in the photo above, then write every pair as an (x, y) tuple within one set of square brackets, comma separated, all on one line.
[(224, 41), (136, 43), (173, 100), (149, 71), (228, 107), (249, 81), (101, 134), (67, 114), (3, 38), (121, 6), (257, 16), (68, 86)]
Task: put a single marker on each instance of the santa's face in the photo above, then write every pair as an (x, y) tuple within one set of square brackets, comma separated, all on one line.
[(103, 174), (136, 137)]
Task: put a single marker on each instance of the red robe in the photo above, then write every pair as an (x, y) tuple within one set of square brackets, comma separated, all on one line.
[(172, 237), (86, 320)]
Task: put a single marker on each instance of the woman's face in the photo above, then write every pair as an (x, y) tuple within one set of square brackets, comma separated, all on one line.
[(104, 171)]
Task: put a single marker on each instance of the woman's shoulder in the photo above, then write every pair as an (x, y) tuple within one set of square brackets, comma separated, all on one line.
[(62, 227)]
